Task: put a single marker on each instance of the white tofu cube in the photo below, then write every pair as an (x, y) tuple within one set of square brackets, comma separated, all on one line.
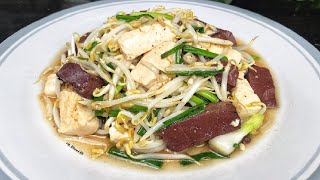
[(141, 40), (244, 97)]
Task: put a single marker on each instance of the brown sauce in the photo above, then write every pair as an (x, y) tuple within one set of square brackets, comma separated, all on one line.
[(86, 150)]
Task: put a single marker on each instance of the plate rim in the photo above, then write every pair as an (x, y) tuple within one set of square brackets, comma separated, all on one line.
[(9, 45)]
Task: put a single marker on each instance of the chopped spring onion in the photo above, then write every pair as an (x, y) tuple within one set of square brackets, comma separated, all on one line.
[(153, 163), (114, 113), (186, 114), (224, 144), (202, 52), (173, 50), (93, 44), (178, 57), (202, 156), (98, 112), (100, 98), (208, 95), (137, 108), (197, 100), (199, 29), (152, 14), (183, 70)]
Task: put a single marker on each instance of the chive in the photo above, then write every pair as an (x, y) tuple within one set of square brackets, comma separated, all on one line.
[(137, 108), (110, 66), (255, 57), (118, 89), (235, 145), (100, 98), (100, 55), (200, 29), (178, 57), (173, 50), (84, 59), (197, 100), (202, 156), (142, 130), (152, 163), (208, 95), (202, 52), (186, 114), (202, 98), (152, 14), (93, 44), (114, 113), (195, 72), (129, 18), (98, 112)]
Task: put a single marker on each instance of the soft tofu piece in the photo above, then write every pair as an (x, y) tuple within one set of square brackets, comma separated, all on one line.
[(231, 53), (142, 74), (243, 96), (76, 119), (50, 85), (141, 40), (154, 56), (115, 135)]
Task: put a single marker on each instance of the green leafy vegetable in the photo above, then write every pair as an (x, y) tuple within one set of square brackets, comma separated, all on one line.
[(197, 100), (93, 44), (142, 130), (202, 156), (208, 95), (199, 29), (173, 50), (129, 18), (152, 163), (118, 89), (114, 113), (137, 109), (192, 111), (152, 14), (98, 112), (100, 98), (195, 72), (202, 52), (100, 55), (178, 57), (84, 59), (236, 145), (255, 57)]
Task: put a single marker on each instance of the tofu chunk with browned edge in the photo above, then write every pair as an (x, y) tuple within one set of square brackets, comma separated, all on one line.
[(244, 98), (76, 119), (142, 73), (139, 41)]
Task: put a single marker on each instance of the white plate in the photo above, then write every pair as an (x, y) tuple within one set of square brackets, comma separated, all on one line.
[(29, 148)]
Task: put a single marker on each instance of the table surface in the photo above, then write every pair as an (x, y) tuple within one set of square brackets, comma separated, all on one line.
[(302, 16)]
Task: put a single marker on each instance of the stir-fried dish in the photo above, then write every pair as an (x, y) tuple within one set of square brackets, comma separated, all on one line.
[(156, 83)]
